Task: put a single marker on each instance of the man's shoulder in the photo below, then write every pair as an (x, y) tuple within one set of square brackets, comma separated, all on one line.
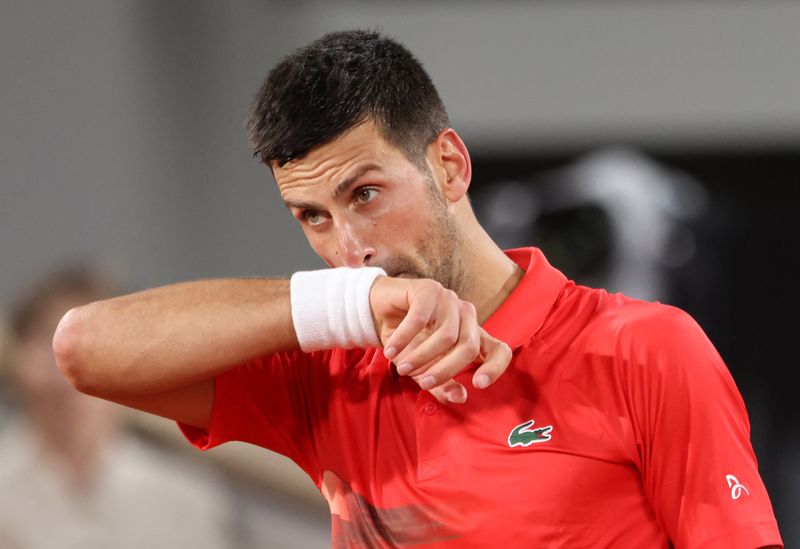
[(616, 323), (648, 319)]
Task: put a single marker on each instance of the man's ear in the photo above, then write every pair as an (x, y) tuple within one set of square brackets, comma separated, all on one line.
[(451, 164)]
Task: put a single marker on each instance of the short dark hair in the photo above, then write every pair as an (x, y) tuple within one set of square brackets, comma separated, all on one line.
[(336, 82)]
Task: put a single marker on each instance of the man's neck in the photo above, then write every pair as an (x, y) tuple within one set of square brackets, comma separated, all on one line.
[(489, 275)]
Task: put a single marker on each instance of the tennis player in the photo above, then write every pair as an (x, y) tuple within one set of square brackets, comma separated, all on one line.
[(438, 390)]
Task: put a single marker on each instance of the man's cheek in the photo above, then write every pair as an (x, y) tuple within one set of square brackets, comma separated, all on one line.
[(324, 252)]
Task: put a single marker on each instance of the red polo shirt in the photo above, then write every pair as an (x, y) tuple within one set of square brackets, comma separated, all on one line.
[(615, 425)]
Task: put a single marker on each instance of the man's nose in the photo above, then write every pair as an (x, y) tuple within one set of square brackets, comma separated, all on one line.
[(355, 249)]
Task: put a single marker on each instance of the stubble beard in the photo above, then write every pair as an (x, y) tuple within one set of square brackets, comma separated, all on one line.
[(437, 254)]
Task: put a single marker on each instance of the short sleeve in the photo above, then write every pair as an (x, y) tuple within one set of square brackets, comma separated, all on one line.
[(269, 402), (698, 466)]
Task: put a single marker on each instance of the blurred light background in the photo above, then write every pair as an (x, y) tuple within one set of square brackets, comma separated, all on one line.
[(649, 147)]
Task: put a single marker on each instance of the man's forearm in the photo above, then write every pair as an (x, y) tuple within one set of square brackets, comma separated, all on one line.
[(149, 344), (164, 338)]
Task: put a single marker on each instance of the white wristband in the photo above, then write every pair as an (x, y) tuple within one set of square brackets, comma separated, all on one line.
[(330, 308)]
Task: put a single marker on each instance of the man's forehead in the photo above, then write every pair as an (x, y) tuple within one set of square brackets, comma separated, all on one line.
[(359, 150)]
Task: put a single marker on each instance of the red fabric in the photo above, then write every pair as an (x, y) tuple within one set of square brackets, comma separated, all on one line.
[(645, 423)]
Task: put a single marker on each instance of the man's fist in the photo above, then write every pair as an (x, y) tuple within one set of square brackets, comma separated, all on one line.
[(432, 335)]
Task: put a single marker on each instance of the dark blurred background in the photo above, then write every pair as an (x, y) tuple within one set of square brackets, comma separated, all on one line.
[(648, 147), (727, 254)]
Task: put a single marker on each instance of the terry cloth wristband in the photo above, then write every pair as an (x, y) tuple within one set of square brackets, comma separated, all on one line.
[(330, 308)]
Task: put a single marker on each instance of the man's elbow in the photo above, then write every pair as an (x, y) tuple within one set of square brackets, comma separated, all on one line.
[(70, 350)]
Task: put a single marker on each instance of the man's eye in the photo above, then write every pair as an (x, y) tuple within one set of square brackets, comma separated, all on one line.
[(365, 194), (312, 217)]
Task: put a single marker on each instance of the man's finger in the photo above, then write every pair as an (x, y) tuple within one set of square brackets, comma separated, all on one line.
[(422, 307), (459, 357), (451, 392), (445, 335), (497, 356)]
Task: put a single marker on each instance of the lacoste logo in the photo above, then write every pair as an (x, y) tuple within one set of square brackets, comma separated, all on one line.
[(736, 487), (523, 435)]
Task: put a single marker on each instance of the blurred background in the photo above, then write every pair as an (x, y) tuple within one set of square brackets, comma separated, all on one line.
[(648, 147)]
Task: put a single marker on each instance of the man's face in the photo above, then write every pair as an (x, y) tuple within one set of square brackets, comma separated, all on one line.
[(361, 201)]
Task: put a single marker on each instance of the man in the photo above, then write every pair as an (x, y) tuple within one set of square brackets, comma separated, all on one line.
[(614, 422)]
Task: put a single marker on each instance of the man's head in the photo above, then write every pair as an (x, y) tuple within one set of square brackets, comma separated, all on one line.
[(337, 82), (357, 138)]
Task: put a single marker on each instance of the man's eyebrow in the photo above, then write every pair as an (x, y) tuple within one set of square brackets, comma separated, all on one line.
[(303, 205), (340, 189)]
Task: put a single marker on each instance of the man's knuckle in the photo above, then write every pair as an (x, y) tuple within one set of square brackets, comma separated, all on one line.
[(431, 285), (469, 344), (449, 339), (418, 318), (468, 308)]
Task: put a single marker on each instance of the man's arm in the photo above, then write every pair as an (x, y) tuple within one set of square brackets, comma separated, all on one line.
[(698, 467), (159, 350)]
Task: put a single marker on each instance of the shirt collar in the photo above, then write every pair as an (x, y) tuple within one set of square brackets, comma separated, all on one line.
[(524, 311)]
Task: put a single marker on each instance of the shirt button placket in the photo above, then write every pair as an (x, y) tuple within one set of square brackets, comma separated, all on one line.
[(429, 439), (429, 408)]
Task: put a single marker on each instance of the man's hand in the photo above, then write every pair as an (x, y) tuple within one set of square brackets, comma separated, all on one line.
[(432, 335)]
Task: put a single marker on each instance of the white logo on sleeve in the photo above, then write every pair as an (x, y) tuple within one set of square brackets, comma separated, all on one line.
[(736, 487)]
